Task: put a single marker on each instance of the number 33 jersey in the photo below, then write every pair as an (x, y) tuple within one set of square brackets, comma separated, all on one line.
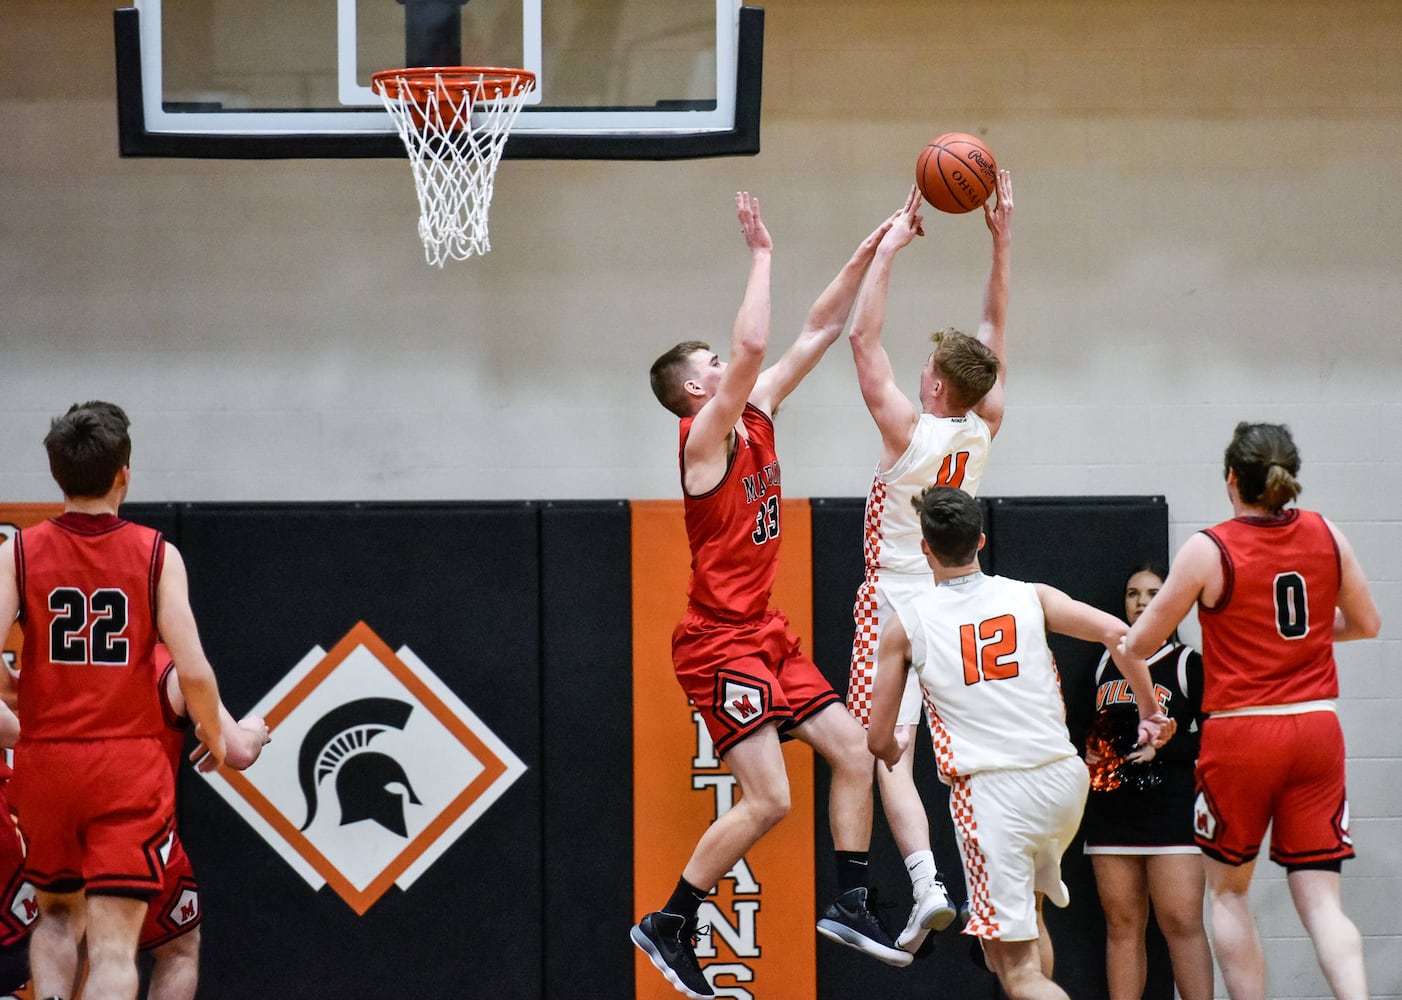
[(733, 529), (87, 586), (979, 647)]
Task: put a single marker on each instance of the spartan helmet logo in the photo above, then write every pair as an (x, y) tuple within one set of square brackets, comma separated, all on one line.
[(365, 779)]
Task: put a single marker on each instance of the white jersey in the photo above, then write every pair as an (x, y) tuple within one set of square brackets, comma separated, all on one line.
[(943, 451), (979, 646)]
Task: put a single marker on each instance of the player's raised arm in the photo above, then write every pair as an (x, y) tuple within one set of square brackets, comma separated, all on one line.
[(894, 413), (826, 320), (1068, 616), (991, 329), (707, 445)]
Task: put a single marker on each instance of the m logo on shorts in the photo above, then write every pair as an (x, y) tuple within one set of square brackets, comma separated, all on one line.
[(24, 906), (1204, 818), (375, 769), (186, 908), (741, 700)]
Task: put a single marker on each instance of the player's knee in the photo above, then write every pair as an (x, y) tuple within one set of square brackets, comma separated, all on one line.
[(772, 806), (850, 755), (185, 948)]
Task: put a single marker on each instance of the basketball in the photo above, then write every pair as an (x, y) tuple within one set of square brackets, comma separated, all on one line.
[(956, 173)]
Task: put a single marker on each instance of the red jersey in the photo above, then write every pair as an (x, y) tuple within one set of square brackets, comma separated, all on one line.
[(733, 529), (87, 586), (1269, 639)]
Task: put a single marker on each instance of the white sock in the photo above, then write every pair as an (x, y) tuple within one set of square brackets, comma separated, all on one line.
[(921, 866)]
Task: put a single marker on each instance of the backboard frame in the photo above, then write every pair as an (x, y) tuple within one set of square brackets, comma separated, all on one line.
[(137, 139)]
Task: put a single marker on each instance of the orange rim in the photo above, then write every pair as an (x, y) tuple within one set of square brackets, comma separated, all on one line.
[(426, 83)]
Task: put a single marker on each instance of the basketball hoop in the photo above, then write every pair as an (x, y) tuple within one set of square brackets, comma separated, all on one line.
[(454, 158)]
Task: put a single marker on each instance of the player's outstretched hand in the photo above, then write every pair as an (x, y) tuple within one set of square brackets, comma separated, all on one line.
[(751, 226), (999, 216), (906, 224)]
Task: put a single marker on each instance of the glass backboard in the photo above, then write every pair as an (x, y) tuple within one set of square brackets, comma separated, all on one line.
[(616, 79)]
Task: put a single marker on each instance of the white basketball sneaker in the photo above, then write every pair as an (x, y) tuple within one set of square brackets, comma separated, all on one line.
[(932, 912)]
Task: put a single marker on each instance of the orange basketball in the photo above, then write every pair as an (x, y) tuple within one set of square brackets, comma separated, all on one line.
[(956, 173)]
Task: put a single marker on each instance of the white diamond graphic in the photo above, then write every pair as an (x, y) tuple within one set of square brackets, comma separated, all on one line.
[(434, 768)]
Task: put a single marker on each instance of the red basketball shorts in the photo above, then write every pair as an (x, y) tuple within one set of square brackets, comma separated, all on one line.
[(1281, 771), (18, 908), (95, 813), (741, 675), (175, 910)]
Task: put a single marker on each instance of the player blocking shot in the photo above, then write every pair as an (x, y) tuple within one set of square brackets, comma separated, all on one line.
[(731, 487)]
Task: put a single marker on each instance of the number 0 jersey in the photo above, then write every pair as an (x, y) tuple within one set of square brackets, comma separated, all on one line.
[(733, 529), (994, 699), (87, 586), (1269, 639)]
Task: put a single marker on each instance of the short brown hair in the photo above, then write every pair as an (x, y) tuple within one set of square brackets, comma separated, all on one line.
[(1265, 460), (951, 522), (968, 366), (87, 447), (668, 376)]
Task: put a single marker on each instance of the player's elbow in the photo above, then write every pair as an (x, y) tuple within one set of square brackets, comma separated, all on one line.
[(751, 343), (1365, 626), (1133, 644), (824, 333)]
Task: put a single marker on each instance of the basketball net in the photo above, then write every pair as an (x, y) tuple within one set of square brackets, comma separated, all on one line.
[(454, 122)]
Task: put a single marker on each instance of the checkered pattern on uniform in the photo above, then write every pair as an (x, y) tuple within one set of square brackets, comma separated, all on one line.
[(861, 676), (982, 919), (939, 737)]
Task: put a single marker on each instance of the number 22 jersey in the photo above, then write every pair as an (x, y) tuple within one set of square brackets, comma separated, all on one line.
[(87, 588)]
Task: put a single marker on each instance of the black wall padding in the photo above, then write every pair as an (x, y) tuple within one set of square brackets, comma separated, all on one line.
[(587, 756), (460, 585), (164, 517), (524, 610), (1083, 545)]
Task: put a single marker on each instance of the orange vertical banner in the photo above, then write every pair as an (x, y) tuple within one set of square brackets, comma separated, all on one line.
[(762, 942)]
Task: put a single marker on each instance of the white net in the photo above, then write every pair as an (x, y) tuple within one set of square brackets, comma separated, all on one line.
[(453, 152)]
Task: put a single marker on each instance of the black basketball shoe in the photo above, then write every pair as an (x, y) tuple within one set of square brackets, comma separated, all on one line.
[(667, 939), (850, 921)]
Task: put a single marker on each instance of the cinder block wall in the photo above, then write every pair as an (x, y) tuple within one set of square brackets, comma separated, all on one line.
[(1207, 230)]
